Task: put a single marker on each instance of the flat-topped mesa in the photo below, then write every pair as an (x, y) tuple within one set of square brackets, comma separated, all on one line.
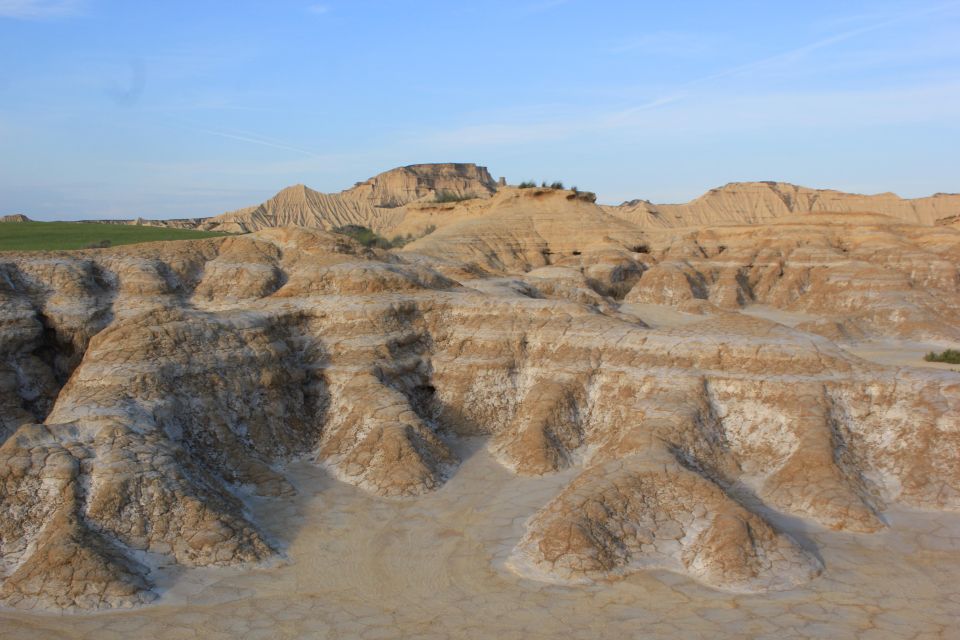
[(756, 202), (15, 217), (376, 203), (403, 185)]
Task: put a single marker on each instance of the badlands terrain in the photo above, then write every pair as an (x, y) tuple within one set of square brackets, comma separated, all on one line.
[(539, 417)]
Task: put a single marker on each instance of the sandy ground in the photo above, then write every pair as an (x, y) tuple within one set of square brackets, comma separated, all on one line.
[(363, 567)]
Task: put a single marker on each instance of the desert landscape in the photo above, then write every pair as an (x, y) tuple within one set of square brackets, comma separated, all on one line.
[(440, 404)]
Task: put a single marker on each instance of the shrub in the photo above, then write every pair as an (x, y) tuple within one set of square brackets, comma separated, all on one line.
[(369, 238), (400, 241), (451, 196), (556, 185), (363, 235), (528, 184), (950, 356)]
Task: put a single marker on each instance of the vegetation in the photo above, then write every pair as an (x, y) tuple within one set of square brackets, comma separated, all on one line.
[(364, 235), (530, 184), (370, 238), (950, 356), (452, 196), (55, 236)]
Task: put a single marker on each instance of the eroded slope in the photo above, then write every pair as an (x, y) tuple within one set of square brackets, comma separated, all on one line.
[(147, 390)]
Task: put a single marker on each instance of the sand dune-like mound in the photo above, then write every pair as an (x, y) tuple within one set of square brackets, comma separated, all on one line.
[(150, 392)]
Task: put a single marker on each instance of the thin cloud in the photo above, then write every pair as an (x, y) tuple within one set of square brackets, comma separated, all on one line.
[(638, 116), (252, 138), (800, 52), (318, 9), (39, 9)]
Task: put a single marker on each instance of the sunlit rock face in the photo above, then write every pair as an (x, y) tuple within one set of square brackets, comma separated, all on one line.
[(149, 391)]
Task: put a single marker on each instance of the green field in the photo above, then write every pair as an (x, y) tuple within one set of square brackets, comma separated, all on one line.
[(51, 236)]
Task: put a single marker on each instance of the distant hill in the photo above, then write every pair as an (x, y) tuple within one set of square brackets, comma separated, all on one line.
[(756, 202)]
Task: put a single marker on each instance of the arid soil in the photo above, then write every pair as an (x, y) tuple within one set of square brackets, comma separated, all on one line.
[(539, 419)]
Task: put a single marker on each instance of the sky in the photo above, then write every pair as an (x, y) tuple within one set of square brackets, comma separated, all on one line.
[(118, 109)]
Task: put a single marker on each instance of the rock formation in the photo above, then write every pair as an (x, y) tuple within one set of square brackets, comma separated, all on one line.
[(374, 203), (15, 217), (753, 202), (148, 390)]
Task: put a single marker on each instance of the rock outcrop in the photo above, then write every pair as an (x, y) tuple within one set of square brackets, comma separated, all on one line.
[(15, 217), (147, 391)]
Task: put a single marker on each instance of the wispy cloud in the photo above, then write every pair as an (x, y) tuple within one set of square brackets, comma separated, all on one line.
[(252, 138), (726, 113), (318, 8), (800, 52), (39, 9)]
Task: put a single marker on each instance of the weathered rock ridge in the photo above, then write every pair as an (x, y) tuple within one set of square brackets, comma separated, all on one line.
[(147, 390), (758, 202)]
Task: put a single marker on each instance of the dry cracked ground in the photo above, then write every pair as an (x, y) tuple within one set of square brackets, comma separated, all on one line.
[(540, 420)]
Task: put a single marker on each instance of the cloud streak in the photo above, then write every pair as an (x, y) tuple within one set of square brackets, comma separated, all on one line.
[(899, 104), (251, 138)]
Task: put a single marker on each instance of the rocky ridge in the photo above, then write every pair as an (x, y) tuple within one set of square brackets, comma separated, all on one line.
[(760, 202)]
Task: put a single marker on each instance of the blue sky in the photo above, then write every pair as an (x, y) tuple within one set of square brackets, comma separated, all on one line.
[(168, 109)]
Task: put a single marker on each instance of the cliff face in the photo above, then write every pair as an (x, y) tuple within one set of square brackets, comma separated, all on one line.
[(15, 217), (756, 202), (376, 203)]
